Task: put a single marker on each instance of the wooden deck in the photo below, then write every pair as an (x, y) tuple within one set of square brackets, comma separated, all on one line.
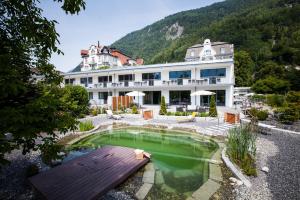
[(88, 176)]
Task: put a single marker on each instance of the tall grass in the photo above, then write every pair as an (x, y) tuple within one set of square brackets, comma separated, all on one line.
[(242, 149), (86, 126)]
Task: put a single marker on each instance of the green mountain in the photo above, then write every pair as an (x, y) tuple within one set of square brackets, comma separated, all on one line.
[(264, 30)]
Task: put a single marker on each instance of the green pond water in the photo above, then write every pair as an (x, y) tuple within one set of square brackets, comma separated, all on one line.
[(179, 159)]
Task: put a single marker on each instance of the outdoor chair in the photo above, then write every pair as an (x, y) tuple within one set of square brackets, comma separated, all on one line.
[(110, 115), (190, 118)]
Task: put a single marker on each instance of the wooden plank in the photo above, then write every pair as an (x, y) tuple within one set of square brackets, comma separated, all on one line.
[(88, 176)]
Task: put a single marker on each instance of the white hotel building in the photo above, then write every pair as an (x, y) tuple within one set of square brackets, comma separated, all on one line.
[(208, 66)]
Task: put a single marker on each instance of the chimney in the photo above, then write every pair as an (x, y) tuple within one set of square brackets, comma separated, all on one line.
[(98, 44)]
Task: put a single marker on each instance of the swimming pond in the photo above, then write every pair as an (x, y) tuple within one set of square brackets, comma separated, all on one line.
[(180, 159)]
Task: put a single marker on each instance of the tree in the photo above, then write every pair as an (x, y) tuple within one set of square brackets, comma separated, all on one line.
[(212, 107), (76, 97), (28, 107), (270, 68), (243, 65), (271, 85), (163, 107)]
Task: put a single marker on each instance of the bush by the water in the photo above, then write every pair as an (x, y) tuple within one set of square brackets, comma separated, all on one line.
[(288, 114), (275, 100), (259, 114), (86, 126), (242, 149)]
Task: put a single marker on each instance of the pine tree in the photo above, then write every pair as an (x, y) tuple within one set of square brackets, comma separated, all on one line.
[(213, 107), (163, 107)]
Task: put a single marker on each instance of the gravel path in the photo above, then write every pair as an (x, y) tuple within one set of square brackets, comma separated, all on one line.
[(280, 152)]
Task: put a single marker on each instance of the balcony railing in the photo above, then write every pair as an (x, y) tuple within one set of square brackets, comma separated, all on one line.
[(161, 83)]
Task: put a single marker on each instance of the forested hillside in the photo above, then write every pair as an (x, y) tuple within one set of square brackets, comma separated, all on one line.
[(266, 35)]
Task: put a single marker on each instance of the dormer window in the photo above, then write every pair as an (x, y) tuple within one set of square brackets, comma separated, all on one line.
[(93, 52), (207, 52), (222, 50), (192, 54)]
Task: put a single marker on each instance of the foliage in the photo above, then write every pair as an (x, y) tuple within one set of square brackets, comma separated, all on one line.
[(258, 98), (104, 67), (270, 85), (163, 107), (28, 108), (275, 100), (288, 114), (261, 30), (94, 111), (293, 97), (243, 66), (76, 97), (86, 125), (50, 152), (242, 149), (135, 110), (212, 107), (259, 114), (203, 114)]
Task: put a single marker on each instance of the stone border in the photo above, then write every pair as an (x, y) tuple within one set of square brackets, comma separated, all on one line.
[(148, 181), (235, 170), (263, 127)]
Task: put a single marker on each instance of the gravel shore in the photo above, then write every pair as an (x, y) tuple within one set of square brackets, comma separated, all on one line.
[(280, 152)]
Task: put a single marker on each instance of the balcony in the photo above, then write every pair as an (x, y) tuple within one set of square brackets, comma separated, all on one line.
[(160, 83)]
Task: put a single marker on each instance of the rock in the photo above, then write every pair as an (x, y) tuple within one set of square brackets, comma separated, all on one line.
[(232, 179), (61, 154), (265, 169), (238, 182)]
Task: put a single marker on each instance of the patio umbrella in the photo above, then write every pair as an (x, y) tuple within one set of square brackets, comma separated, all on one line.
[(136, 94), (202, 93), (249, 94)]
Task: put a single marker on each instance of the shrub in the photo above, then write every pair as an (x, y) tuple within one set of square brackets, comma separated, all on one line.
[(134, 110), (86, 126), (94, 112), (257, 97), (275, 100), (178, 113), (288, 115), (212, 107), (163, 107), (262, 115), (293, 97), (242, 149), (32, 170), (259, 114), (170, 113), (203, 114), (50, 151)]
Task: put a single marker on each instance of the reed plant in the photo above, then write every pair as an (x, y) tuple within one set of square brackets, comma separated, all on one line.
[(86, 126), (242, 149)]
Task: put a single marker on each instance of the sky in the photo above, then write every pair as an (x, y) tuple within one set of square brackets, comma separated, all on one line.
[(106, 22)]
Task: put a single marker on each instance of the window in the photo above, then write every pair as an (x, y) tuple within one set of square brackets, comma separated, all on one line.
[(222, 50), (85, 81), (90, 95), (126, 77), (104, 79), (192, 53), (69, 81), (180, 97), (151, 76), (213, 72), (90, 80), (180, 74), (152, 97), (207, 52)]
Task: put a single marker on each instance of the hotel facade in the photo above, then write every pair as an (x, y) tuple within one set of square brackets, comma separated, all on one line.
[(107, 72)]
